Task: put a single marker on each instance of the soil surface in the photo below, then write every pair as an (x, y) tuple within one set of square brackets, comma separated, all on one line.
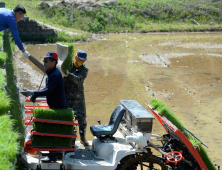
[(183, 70)]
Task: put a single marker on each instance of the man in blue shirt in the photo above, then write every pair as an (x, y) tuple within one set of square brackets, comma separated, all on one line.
[(9, 19), (54, 89)]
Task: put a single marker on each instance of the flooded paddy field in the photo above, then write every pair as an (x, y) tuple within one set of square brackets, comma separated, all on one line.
[(183, 70)]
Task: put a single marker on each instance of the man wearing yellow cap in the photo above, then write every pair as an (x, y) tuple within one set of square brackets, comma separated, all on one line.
[(74, 92)]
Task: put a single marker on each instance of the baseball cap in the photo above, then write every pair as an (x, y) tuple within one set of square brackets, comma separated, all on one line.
[(82, 55), (51, 54)]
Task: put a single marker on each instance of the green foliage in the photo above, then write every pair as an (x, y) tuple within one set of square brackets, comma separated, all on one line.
[(2, 58), (94, 26), (67, 63), (166, 112), (8, 142), (60, 114), (51, 141)]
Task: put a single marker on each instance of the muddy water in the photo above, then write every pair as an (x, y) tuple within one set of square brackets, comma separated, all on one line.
[(182, 70)]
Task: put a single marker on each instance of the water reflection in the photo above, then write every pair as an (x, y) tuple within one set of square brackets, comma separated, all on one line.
[(182, 70)]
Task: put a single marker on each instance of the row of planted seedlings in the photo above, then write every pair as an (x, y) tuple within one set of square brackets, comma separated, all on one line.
[(9, 119), (163, 110)]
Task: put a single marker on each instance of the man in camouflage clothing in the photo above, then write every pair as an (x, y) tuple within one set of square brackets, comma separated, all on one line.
[(74, 92)]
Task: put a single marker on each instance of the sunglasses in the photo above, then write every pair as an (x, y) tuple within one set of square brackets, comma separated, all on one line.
[(45, 61)]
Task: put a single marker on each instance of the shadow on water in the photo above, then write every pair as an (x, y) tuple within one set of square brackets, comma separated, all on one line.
[(181, 69)]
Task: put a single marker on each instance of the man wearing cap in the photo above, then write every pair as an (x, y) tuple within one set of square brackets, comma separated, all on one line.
[(54, 89), (9, 19), (74, 92)]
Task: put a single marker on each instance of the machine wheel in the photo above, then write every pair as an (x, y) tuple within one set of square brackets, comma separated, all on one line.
[(143, 161)]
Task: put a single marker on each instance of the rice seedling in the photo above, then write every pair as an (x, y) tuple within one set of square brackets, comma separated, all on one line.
[(51, 141), (12, 94), (2, 58), (67, 64), (4, 103), (8, 142), (2, 80), (66, 115), (53, 128)]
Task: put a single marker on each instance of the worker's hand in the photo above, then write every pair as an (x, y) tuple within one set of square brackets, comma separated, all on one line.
[(67, 73), (33, 98), (27, 93), (26, 54)]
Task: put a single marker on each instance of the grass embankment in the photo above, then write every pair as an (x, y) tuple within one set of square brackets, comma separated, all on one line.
[(130, 15), (63, 115), (166, 112), (9, 124)]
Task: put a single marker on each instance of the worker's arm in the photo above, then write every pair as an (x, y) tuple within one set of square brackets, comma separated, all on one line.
[(50, 86), (79, 78), (14, 30)]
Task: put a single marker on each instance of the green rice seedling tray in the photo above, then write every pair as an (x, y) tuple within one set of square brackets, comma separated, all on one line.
[(53, 128), (57, 114), (48, 141), (54, 121), (67, 64), (54, 134)]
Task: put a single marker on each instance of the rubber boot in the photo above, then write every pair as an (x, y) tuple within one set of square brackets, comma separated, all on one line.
[(82, 138)]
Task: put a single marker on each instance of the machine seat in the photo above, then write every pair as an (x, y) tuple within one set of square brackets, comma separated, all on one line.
[(111, 127)]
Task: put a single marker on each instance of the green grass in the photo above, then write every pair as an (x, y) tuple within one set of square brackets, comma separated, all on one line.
[(2, 58), (128, 15), (67, 65), (166, 112), (8, 142), (66, 115)]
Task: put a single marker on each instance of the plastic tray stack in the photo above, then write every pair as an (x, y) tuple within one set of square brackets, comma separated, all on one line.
[(29, 148)]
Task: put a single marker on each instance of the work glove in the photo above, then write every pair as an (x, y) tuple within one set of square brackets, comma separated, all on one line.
[(27, 93), (33, 98), (26, 54), (67, 73)]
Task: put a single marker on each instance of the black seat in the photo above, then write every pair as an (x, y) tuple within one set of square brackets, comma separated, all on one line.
[(111, 127)]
